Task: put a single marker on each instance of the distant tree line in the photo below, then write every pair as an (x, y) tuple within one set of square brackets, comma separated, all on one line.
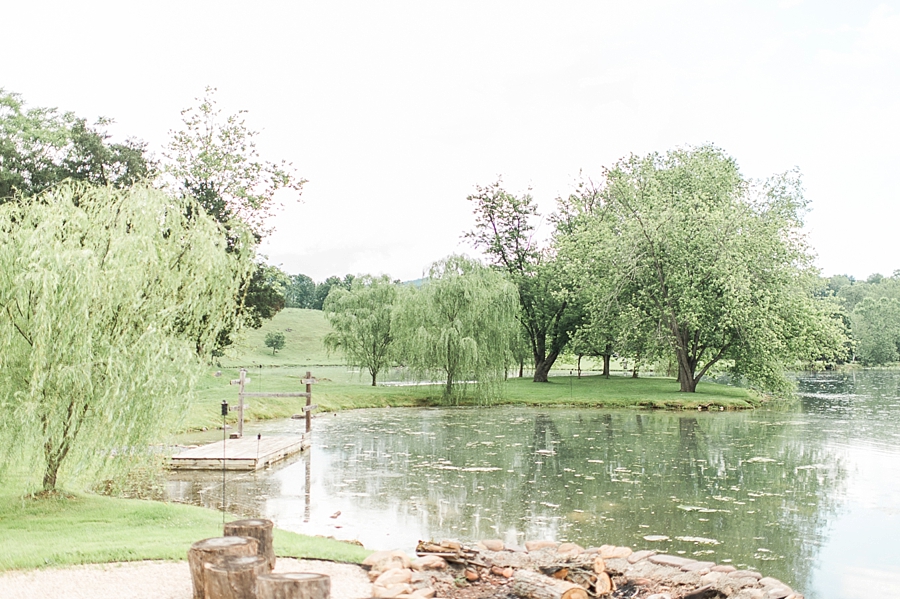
[(870, 312)]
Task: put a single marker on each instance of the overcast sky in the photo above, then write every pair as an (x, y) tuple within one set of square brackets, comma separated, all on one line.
[(394, 111)]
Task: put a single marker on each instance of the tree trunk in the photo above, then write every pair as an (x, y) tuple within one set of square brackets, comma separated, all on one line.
[(233, 577), (579, 365), (449, 389), (293, 585), (521, 368), (634, 372), (541, 371), (209, 550), (686, 374), (606, 359), (373, 379), (255, 528), (532, 585)]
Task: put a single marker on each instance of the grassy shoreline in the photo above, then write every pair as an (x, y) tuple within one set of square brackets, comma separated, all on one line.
[(83, 528), (333, 395)]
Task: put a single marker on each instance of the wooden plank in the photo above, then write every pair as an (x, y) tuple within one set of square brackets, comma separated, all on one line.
[(255, 394), (310, 408), (246, 406), (240, 454), (310, 381), (238, 381)]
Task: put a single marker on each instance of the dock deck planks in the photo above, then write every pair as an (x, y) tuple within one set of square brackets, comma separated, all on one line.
[(240, 454)]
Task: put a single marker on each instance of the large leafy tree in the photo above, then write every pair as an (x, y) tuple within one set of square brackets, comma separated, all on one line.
[(213, 160), (41, 147), (548, 307), (361, 322), (459, 325), (108, 301), (715, 262)]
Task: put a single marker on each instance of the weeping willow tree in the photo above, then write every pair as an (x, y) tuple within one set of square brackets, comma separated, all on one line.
[(106, 299), (360, 319), (459, 326)]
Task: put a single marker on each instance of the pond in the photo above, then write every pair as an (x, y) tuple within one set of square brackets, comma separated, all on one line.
[(810, 495)]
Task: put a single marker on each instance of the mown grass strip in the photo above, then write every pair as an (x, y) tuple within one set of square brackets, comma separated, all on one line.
[(81, 529)]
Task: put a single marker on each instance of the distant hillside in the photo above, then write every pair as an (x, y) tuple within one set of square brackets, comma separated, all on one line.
[(304, 334)]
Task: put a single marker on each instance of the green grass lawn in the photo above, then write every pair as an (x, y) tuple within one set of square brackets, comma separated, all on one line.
[(82, 529), (304, 332), (338, 389)]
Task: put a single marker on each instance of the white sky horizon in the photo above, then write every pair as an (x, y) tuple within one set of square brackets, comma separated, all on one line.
[(395, 111)]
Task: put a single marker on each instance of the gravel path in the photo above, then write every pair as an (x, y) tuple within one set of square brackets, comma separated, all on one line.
[(157, 580)]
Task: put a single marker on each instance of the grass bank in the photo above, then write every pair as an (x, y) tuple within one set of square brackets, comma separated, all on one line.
[(81, 529), (339, 389)]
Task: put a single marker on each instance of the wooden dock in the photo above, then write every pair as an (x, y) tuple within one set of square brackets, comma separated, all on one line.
[(246, 453)]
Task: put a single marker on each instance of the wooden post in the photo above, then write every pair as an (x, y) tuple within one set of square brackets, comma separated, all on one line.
[(255, 528), (209, 550), (233, 577), (241, 403), (293, 585), (308, 401), (242, 381)]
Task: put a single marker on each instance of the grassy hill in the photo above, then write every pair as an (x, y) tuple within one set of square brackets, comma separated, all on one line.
[(304, 334)]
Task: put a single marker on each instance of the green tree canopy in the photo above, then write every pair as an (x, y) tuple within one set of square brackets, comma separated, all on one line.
[(300, 292), (106, 299), (876, 329), (361, 319), (548, 309), (214, 161), (459, 325), (275, 340), (717, 264), (41, 147)]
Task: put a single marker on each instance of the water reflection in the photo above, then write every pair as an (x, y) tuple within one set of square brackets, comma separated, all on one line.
[(767, 490)]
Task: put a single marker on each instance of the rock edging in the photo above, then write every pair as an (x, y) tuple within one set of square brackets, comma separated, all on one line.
[(442, 567)]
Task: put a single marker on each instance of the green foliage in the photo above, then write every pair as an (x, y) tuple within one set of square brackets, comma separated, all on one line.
[(548, 309), (275, 340), (710, 263), (41, 147), (362, 321), (460, 324), (106, 300), (300, 292), (325, 287), (216, 163), (876, 328)]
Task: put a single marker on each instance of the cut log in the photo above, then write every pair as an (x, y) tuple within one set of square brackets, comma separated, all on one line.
[(604, 584), (532, 585), (293, 585), (233, 577), (258, 529), (210, 550)]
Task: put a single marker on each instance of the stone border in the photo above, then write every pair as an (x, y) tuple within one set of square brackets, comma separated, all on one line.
[(650, 574)]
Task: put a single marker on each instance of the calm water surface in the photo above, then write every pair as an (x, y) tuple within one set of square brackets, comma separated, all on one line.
[(810, 495)]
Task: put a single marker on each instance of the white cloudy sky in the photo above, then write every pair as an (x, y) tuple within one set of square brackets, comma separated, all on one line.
[(394, 111)]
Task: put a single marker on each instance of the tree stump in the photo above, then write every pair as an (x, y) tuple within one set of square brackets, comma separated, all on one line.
[(293, 585), (532, 585), (210, 550), (258, 529), (233, 577)]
